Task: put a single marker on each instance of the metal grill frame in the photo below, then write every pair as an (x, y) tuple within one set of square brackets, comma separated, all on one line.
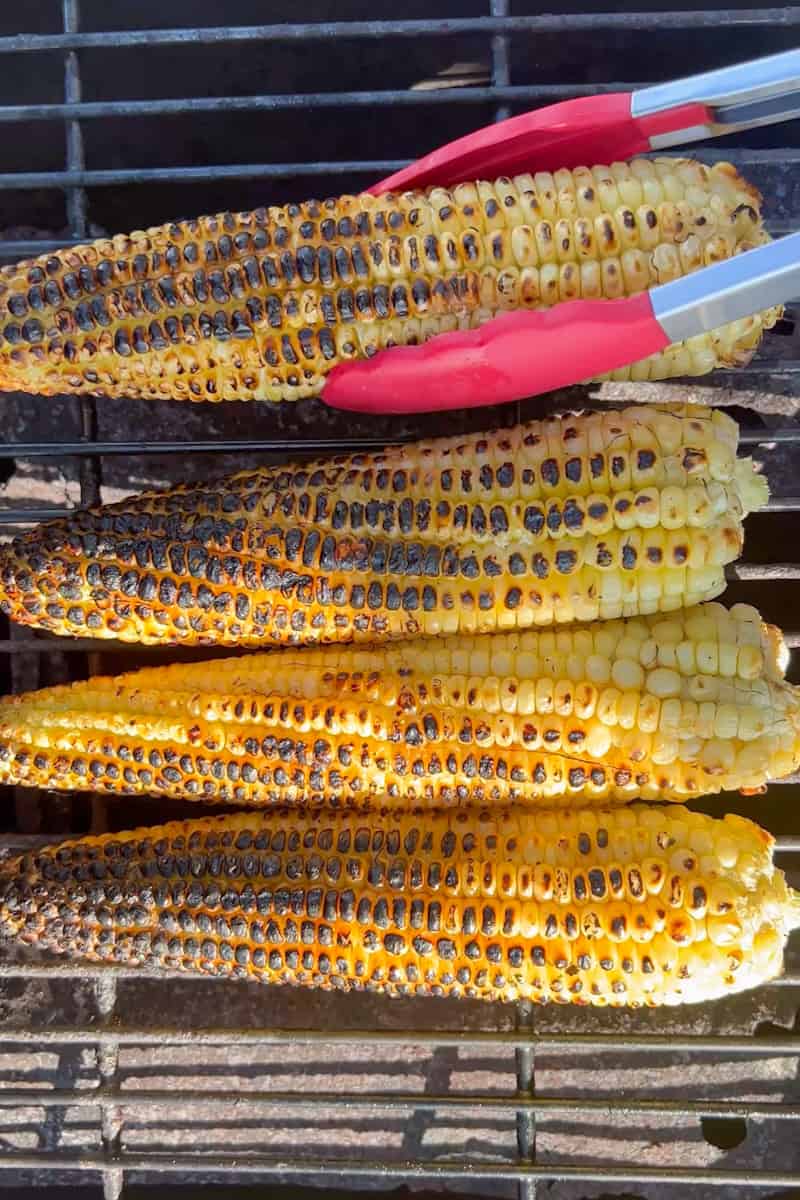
[(107, 1035)]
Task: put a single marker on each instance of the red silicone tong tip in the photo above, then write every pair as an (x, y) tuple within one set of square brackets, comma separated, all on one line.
[(575, 133), (561, 135), (523, 353), (515, 355)]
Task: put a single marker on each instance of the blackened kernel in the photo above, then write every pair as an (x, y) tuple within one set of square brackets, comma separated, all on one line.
[(573, 469), (549, 472), (17, 305), (629, 556), (33, 332), (534, 519), (399, 298)]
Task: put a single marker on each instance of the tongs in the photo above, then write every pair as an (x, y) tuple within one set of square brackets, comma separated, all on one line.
[(523, 353)]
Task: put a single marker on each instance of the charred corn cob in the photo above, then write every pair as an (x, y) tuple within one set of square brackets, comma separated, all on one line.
[(652, 708), (630, 907), (574, 518), (262, 305)]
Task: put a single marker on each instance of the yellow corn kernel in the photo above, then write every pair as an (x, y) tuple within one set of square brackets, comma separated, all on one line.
[(421, 721), (549, 915), (522, 527), (302, 288)]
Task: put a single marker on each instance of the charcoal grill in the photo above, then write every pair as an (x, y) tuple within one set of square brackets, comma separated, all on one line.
[(112, 1079)]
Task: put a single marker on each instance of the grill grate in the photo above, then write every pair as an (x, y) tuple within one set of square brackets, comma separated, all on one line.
[(113, 1074)]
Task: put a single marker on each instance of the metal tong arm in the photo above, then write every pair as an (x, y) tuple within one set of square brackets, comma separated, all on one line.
[(763, 91), (729, 290)]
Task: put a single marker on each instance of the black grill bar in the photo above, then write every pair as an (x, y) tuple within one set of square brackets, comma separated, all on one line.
[(525, 1120), (323, 1168), (90, 478), (289, 170), (748, 437), (282, 101), (545, 1106), (76, 215), (761, 366), (788, 1044), (784, 17), (263, 445), (763, 571), (76, 197)]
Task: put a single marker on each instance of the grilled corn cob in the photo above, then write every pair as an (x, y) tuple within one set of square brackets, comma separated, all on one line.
[(630, 907), (652, 708), (603, 515), (262, 305)]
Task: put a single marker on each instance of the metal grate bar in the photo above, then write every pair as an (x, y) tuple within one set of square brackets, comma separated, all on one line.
[(501, 71), (252, 1164), (784, 17), (263, 445), (761, 366), (23, 248), (762, 571), (110, 1118), (783, 504), (525, 1121), (747, 437), (76, 197), (788, 1044), (760, 437), (103, 178), (526, 1111), (289, 170), (500, 95), (90, 477), (29, 516), (547, 1106)]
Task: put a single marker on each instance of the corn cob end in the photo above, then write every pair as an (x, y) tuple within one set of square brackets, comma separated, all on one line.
[(753, 487), (793, 920)]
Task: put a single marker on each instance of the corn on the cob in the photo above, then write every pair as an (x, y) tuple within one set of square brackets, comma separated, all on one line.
[(652, 708), (262, 305), (630, 907), (603, 515)]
